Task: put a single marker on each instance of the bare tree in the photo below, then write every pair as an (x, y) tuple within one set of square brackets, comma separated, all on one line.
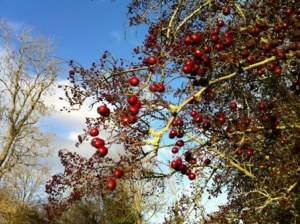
[(25, 184), (27, 71)]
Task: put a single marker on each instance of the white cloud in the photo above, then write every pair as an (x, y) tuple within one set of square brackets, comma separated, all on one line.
[(73, 136), (74, 120)]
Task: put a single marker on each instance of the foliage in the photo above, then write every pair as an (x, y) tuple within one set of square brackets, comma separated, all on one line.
[(14, 212), (223, 76)]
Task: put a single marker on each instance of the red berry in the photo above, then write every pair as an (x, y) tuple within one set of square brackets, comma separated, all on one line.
[(175, 150), (245, 53), (151, 60), (126, 120), (196, 38), (132, 118), (188, 40), (183, 168), (277, 70), (250, 59), (200, 71), (221, 118), (174, 165), (179, 143), (214, 38), (226, 11), (198, 53), (133, 100), (206, 59), (228, 34), (179, 162), (215, 31), (228, 41), (194, 113), (189, 62), (219, 46), (180, 133), (250, 152), (198, 118), (206, 49), (111, 184), (94, 132), (206, 162), (102, 150), (103, 110), (173, 133), (192, 161), (134, 81), (187, 69), (118, 173), (97, 142), (160, 87), (138, 104), (288, 12), (239, 152), (262, 106), (192, 176), (179, 122), (220, 23), (134, 110), (153, 87), (233, 105)]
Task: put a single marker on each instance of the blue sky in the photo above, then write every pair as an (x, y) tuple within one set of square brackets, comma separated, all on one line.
[(81, 29)]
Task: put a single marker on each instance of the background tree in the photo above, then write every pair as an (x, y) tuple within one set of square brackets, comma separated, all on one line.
[(27, 70), (116, 208), (217, 84), (25, 184)]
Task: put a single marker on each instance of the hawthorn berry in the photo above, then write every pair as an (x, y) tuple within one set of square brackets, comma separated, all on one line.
[(103, 110), (188, 40), (94, 132), (187, 69), (118, 173), (134, 81), (125, 119), (132, 100), (250, 152), (160, 87), (153, 87), (196, 38), (97, 142), (207, 162), (102, 150), (173, 133), (233, 105), (179, 143), (226, 11), (192, 176), (198, 53), (134, 110), (151, 60), (175, 150), (183, 168), (111, 184)]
